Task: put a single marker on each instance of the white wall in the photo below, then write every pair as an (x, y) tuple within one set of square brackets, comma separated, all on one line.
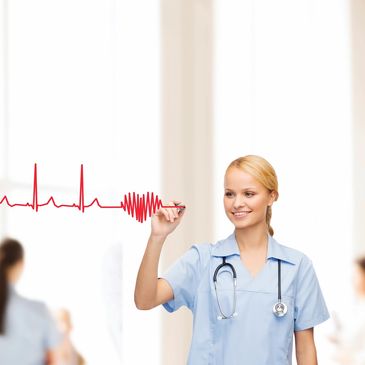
[(282, 91), (84, 83), (84, 87)]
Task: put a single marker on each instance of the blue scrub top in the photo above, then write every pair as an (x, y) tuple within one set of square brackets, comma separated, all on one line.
[(30, 332), (255, 336)]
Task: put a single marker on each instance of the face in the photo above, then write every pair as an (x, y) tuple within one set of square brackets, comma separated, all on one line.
[(244, 194), (15, 272), (359, 280)]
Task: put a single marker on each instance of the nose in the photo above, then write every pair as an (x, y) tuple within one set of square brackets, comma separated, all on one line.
[(238, 203)]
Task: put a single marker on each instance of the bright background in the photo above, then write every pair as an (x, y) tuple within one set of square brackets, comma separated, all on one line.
[(283, 91), (82, 83)]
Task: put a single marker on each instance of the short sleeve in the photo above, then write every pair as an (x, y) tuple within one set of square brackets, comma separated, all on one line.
[(310, 307), (183, 276), (52, 337)]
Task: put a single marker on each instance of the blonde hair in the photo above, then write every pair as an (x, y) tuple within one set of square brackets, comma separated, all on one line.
[(264, 173)]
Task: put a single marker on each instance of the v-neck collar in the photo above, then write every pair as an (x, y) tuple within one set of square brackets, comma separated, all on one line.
[(229, 246)]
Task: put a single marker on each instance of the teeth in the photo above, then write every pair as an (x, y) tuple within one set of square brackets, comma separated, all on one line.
[(241, 213)]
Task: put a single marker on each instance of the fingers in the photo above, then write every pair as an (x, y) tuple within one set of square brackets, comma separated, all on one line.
[(164, 212), (171, 213)]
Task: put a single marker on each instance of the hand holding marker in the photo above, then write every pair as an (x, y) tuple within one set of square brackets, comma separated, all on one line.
[(167, 218), (181, 208)]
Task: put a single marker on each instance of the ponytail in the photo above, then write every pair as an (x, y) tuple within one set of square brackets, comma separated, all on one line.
[(268, 218), (11, 252), (3, 295)]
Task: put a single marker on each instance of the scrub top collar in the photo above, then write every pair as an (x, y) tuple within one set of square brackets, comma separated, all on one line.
[(229, 247)]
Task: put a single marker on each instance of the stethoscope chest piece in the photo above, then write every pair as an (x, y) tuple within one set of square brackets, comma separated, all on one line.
[(280, 309)]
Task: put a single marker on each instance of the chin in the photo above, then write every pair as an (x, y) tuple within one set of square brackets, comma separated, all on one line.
[(244, 224), (241, 224)]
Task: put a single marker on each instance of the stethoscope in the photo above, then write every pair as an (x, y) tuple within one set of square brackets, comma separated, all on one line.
[(279, 308)]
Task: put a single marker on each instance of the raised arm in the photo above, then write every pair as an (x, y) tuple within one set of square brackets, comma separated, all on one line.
[(149, 290)]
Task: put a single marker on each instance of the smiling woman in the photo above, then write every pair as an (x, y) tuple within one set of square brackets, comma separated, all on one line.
[(245, 290), (250, 187)]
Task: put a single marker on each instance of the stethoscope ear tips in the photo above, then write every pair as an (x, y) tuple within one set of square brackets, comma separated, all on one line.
[(235, 314), (219, 318)]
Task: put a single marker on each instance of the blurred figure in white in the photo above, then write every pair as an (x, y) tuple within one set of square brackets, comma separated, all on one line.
[(112, 293), (67, 353), (349, 334), (28, 333)]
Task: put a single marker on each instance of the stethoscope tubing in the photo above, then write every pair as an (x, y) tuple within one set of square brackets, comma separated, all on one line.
[(234, 276), (279, 309)]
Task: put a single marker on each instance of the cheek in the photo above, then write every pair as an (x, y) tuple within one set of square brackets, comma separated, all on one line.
[(227, 203), (358, 280), (257, 203), (361, 282)]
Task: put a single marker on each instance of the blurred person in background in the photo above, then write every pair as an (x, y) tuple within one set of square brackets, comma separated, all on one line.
[(67, 353), (349, 332), (28, 333)]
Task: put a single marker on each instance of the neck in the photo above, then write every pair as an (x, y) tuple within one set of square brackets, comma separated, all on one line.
[(14, 273), (252, 238)]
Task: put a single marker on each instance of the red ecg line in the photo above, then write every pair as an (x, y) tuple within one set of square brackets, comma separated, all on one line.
[(135, 205)]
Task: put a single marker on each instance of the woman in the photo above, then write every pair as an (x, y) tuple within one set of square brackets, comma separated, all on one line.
[(28, 335), (277, 293), (349, 336)]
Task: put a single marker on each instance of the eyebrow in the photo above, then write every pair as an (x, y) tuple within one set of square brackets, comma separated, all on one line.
[(249, 188)]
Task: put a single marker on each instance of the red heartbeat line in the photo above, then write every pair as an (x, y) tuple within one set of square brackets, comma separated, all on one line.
[(135, 205)]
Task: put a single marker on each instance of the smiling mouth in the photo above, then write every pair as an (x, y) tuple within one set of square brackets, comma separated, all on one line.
[(243, 213)]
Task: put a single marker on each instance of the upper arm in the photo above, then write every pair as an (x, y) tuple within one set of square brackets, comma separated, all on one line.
[(304, 338), (310, 307), (164, 292), (181, 280), (305, 346)]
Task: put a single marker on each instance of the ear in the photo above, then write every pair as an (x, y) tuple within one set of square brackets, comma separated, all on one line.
[(273, 197)]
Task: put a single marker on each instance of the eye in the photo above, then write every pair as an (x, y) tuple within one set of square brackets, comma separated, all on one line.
[(249, 194), (228, 194)]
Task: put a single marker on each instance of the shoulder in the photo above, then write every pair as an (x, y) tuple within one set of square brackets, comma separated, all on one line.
[(32, 303), (202, 249), (200, 252), (207, 249), (299, 259), (31, 306), (290, 254)]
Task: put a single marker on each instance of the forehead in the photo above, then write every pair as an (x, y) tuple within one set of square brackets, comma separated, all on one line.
[(238, 179)]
